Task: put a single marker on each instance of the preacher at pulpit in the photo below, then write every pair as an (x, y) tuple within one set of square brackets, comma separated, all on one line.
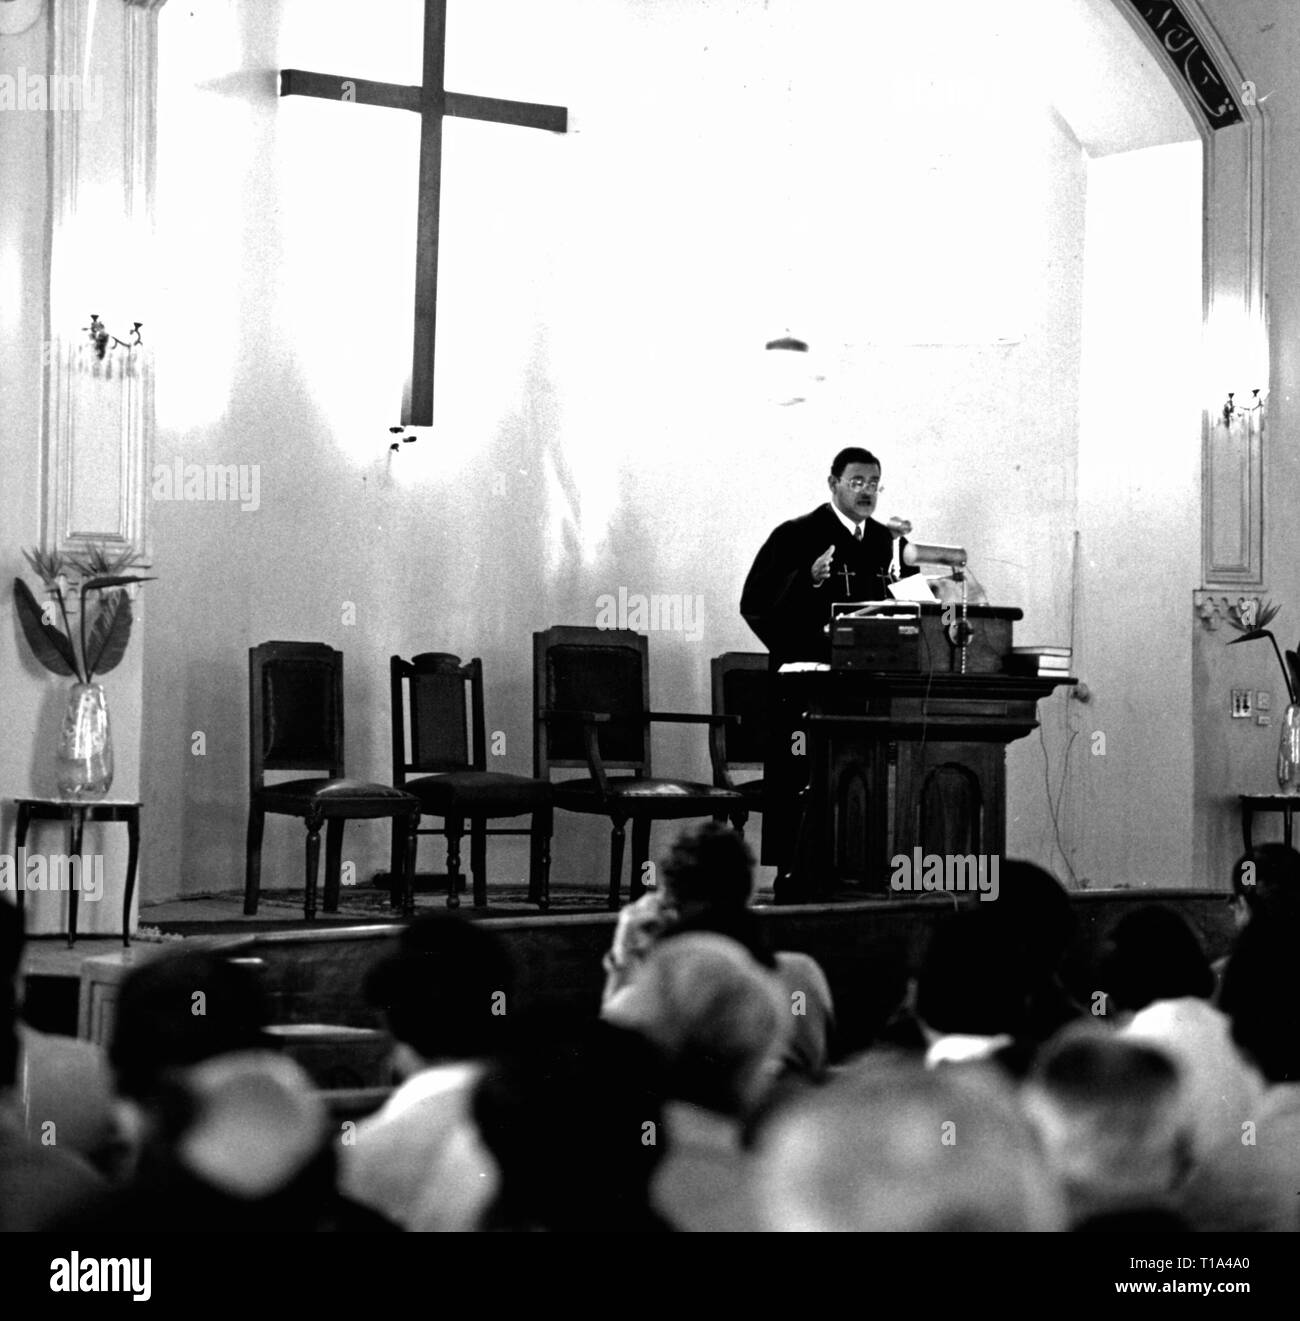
[(836, 553)]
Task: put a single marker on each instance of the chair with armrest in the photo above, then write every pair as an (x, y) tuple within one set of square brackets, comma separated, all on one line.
[(295, 708), (742, 686), (591, 710), (440, 736)]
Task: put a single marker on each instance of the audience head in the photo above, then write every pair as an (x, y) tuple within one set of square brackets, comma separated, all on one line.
[(719, 1019), (1261, 995), (1266, 880), (178, 1009), (971, 979), (710, 866), (1036, 908), (1154, 955), (11, 950), (256, 1124), (572, 1112), (1111, 1115), (445, 989), (1219, 1088), (896, 1147)]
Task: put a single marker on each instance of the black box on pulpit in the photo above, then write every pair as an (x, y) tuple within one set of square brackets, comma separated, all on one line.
[(883, 637)]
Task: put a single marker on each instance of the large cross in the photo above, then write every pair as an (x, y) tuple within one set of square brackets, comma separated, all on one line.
[(431, 100)]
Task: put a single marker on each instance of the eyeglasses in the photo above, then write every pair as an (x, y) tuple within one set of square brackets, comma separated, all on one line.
[(861, 484)]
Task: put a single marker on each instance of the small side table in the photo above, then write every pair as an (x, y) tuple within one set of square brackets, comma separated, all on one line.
[(1252, 803), (76, 814)]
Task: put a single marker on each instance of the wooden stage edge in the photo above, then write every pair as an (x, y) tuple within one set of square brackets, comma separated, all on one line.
[(315, 975)]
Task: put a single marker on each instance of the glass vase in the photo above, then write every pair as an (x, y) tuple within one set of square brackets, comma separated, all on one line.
[(85, 756), (1288, 751)]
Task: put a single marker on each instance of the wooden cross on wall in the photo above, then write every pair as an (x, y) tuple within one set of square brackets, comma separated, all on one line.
[(431, 100)]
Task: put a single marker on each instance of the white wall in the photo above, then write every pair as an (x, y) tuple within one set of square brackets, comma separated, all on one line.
[(34, 699), (732, 171), (1139, 517), (1238, 756)]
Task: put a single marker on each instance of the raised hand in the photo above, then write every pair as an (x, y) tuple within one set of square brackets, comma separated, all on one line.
[(821, 569), (899, 527)]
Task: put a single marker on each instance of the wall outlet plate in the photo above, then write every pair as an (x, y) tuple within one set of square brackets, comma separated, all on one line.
[(1263, 700), (1242, 703)]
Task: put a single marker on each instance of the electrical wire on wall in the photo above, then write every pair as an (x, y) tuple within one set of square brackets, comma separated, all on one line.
[(1054, 801)]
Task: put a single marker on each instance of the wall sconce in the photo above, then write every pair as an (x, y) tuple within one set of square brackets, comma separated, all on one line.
[(101, 347), (1233, 411)]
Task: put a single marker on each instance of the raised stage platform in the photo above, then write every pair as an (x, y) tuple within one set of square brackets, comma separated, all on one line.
[(314, 974)]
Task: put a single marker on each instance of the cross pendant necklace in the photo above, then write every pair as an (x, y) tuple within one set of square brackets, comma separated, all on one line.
[(848, 591)]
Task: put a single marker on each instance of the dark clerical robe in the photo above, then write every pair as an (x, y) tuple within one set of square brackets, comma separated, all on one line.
[(786, 609), (789, 613)]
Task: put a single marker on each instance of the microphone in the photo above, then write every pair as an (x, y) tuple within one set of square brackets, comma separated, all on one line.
[(915, 553)]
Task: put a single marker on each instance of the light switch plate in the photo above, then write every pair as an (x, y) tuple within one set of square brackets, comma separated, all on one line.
[(1263, 700), (1242, 703)]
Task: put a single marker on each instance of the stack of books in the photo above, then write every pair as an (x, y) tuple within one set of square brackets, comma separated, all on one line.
[(1039, 662)]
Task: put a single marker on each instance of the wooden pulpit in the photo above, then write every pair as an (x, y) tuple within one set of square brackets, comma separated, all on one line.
[(876, 762)]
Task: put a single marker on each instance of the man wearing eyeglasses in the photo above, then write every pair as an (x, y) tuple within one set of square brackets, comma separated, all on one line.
[(836, 553)]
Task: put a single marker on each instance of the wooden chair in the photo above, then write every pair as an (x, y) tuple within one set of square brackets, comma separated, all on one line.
[(742, 688), (295, 708), (591, 709), (447, 747)]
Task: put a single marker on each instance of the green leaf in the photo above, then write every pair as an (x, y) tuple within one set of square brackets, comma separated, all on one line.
[(48, 644), (108, 638)]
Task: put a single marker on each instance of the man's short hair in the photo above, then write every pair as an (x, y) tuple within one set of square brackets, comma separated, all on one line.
[(11, 949), (972, 978), (1268, 878), (709, 865), (1111, 1113), (441, 987), (853, 454), (892, 1146), (720, 1020), (1153, 954), (157, 1029), (1261, 995)]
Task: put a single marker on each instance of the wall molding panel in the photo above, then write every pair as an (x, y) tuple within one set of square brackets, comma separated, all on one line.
[(99, 417)]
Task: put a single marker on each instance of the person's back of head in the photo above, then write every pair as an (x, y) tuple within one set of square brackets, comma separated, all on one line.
[(1267, 880), (11, 950), (1036, 908), (572, 1112), (256, 1124), (1153, 955), (971, 981), (446, 989), (1112, 1118), (739, 924), (892, 1146), (178, 1009), (1261, 996), (719, 1018), (709, 866)]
